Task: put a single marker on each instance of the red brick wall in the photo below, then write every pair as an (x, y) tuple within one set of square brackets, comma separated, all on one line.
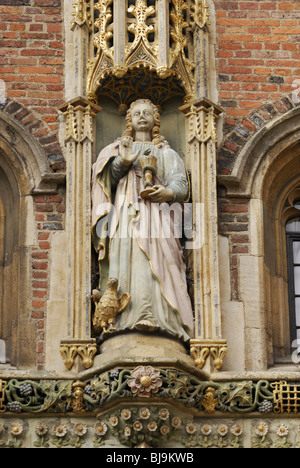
[(258, 58), (31, 55)]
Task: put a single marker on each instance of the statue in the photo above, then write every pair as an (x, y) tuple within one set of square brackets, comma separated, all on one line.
[(128, 233)]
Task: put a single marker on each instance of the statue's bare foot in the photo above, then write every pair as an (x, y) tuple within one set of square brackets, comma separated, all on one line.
[(145, 326)]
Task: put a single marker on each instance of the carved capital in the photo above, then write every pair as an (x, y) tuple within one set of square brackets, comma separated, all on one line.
[(79, 114), (202, 349), (85, 349), (202, 115)]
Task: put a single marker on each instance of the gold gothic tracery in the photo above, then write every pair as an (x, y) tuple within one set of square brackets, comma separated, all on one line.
[(155, 35)]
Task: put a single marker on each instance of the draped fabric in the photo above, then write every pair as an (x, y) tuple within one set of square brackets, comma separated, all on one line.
[(139, 242)]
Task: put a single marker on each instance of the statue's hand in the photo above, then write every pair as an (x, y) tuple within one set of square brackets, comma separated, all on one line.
[(126, 155), (162, 194)]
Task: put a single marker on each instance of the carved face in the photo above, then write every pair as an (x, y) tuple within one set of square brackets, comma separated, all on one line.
[(142, 115)]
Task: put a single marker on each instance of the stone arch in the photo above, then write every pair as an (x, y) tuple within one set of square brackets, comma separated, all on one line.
[(271, 135), (23, 120), (236, 151)]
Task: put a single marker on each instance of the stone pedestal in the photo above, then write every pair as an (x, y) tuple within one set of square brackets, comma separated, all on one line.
[(135, 349)]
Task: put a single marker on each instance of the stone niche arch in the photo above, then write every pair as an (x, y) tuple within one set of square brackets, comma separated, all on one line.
[(24, 171), (267, 172)]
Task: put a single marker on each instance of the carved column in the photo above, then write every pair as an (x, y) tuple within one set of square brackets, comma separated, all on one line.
[(120, 35), (163, 27), (82, 27), (80, 116), (202, 115)]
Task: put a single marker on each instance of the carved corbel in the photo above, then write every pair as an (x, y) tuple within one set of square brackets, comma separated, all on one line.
[(85, 349), (201, 350), (68, 353)]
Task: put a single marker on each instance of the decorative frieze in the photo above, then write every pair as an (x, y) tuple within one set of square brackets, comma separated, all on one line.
[(148, 426), (85, 349), (142, 384), (147, 407)]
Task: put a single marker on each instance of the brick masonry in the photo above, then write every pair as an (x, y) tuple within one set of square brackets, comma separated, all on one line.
[(258, 59)]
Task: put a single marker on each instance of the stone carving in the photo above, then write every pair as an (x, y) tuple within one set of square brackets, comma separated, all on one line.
[(65, 396), (150, 426), (130, 233), (157, 37), (108, 307)]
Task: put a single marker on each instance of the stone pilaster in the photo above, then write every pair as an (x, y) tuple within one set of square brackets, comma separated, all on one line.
[(202, 115)]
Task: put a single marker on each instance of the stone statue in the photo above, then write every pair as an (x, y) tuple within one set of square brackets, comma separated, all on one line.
[(134, 244)]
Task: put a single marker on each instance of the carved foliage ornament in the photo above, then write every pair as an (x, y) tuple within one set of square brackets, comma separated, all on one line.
[(145, 44), (140, 385)]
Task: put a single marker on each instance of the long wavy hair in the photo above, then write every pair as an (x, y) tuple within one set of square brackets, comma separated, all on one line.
[(157, 138)]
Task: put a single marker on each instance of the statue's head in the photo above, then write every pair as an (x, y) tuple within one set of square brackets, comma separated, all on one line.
[(143, 114)]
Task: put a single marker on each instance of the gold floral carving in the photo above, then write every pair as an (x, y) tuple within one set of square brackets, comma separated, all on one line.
[(145, 381), (104, 25), (178, 58)]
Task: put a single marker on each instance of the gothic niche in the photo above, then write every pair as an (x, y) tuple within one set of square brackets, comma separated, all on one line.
[(137, 180)]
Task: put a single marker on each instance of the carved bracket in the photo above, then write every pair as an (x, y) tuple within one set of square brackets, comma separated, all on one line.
[(85, 349), (202, 349)]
